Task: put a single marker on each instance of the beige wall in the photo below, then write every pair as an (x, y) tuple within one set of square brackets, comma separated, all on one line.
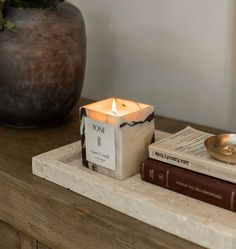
[(178, 55)]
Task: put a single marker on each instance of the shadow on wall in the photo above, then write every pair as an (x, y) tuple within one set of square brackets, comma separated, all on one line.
[(100, 49), (178, 55)]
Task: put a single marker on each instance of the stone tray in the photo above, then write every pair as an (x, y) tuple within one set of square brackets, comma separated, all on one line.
[(190, 219)]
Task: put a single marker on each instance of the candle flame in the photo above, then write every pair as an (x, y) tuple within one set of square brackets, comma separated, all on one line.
[(114, 106)]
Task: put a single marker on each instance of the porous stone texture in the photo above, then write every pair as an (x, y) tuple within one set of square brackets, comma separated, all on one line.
[(190, 219)]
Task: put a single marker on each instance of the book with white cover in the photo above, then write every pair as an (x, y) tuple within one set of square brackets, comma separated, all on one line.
[(186, 149)]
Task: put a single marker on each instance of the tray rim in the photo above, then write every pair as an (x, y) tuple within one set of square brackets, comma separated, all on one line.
[(215, 232)]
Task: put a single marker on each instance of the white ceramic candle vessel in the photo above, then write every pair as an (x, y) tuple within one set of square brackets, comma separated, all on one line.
[(115, 134)]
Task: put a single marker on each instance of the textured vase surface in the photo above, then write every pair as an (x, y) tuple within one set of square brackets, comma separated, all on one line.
[(42, 65)]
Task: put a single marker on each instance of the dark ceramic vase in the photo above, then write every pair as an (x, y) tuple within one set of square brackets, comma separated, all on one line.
[(42, 65)]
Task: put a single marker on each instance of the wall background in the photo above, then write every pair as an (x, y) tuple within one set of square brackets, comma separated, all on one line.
[(176, 55)]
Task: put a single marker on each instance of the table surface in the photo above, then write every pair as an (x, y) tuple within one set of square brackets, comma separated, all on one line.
[(58, 217)]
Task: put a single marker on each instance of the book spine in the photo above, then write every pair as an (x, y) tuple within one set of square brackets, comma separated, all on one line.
[(208, 189), (186, 162)]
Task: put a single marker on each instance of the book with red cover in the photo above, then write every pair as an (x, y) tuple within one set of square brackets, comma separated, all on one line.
[(205, 188)]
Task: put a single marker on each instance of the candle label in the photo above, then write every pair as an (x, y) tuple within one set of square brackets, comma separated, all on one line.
[(100, 143)]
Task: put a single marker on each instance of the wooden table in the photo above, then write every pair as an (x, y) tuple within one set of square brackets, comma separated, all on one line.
[(35, 212)]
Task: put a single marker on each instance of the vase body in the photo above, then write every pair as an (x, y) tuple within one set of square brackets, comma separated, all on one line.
[(42, 65)]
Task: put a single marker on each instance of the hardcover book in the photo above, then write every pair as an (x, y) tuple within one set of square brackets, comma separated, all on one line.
[(189, 183), (186, 149)]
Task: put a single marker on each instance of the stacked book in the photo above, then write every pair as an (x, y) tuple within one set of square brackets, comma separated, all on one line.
[(181, 163)]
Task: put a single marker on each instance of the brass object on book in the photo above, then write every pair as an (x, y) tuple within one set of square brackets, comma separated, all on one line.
[(222, 147)]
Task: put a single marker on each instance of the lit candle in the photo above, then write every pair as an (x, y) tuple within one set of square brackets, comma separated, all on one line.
[(115, 134)]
